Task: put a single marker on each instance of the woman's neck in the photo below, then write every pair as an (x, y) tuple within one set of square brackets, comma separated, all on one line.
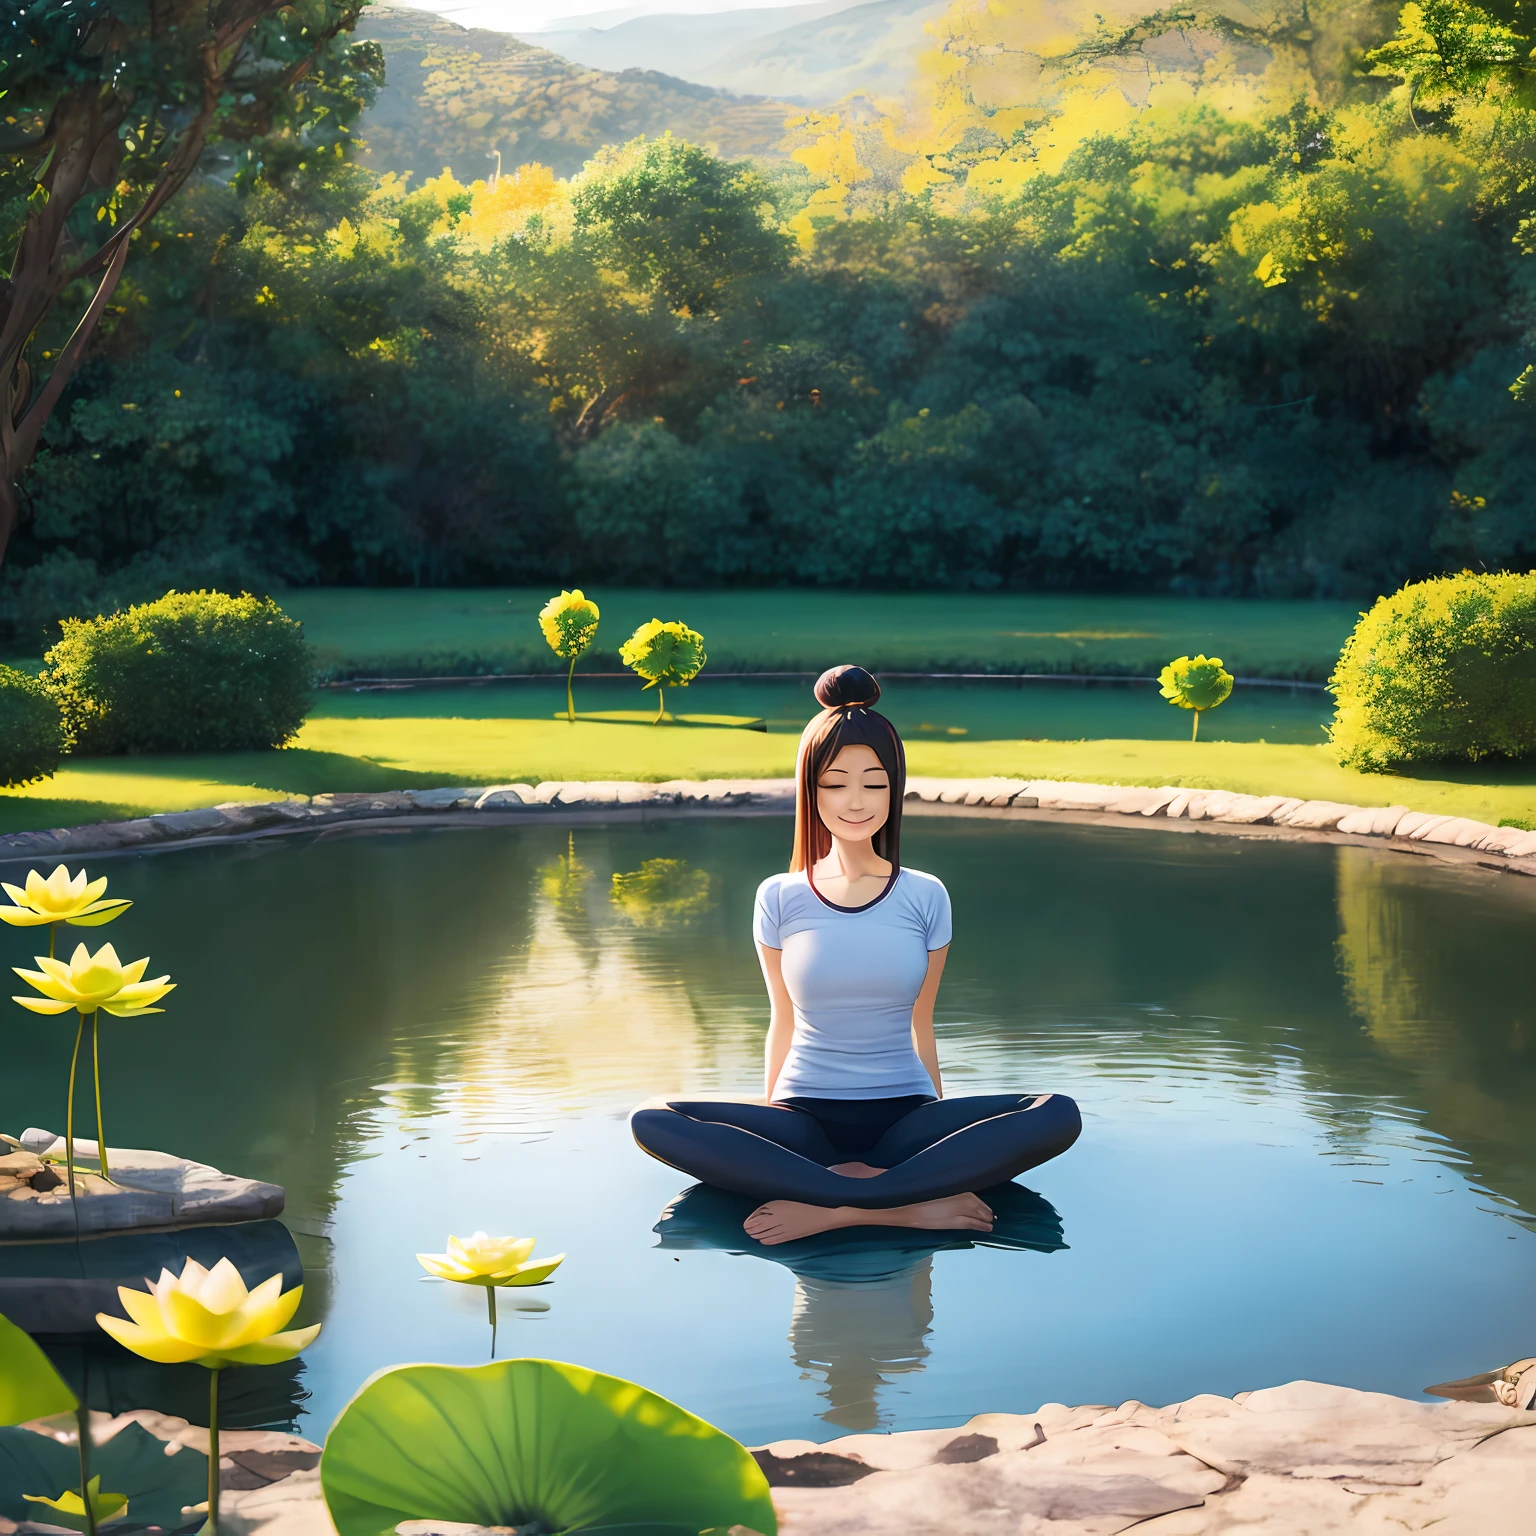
[(854, 860)]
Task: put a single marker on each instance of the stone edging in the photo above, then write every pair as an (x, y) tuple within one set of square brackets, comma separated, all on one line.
[(1301, 1457), (1209, 809)]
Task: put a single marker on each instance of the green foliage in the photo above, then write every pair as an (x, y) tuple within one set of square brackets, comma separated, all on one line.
[(194, 671), (132, 1463), (1446, 48), (678, 220), (1263, 351), (533, 1440), (666, 655), (1442, 670), (32, 736), (569, 624), (1195, 682), (30, 1388)]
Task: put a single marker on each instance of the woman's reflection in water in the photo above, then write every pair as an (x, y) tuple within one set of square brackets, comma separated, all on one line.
[(863, 1296)]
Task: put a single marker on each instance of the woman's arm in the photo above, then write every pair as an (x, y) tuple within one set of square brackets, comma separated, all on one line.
[(922, 1017), (781, 1018)]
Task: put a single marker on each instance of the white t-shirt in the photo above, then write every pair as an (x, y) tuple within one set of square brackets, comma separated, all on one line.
[(853, 976)]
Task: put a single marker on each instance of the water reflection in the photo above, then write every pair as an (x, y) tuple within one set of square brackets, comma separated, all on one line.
[(439, 1031), (863, 1305)]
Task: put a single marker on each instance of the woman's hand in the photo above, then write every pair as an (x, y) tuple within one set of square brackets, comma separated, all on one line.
[(781, 1018), (922, 1017)]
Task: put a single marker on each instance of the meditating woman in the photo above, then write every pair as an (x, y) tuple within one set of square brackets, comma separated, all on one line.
[(855, 1129)]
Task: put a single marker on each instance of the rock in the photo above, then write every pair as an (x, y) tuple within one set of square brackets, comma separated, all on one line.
[(1372, 820), (20, 1164), (153, 1189), (198, 823), (45, 1179), (1053, 796), (1457, 832), (443, 799), (1312, 815), (1252, 810), (506, 797)]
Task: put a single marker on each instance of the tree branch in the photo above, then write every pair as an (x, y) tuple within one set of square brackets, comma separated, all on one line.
[(30, 428)]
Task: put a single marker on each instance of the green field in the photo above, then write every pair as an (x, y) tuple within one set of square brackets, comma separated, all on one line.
[(404, 632), (382, 752)]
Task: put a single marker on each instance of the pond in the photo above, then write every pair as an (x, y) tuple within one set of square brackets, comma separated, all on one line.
[(1306, 1074)]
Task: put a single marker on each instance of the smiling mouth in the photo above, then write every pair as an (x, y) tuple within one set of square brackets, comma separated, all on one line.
[(849, 821)]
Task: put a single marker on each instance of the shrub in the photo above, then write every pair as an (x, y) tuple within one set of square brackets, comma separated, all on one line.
[(1441, 670), (32, 736), (192, 672)]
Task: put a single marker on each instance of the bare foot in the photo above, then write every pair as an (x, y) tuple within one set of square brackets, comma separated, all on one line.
[(854, 1170), (782, 1221)]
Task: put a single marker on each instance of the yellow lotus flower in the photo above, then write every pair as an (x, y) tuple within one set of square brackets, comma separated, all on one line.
[(482, 1260), (105, 1506), (90, 982), (60, 899), (569, 622), (207, 1317)]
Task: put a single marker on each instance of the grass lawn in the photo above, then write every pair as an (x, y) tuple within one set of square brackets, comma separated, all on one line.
[(362, 632), (378, 752)]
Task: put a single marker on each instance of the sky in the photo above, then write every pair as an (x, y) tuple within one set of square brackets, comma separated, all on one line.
[(543, 15)]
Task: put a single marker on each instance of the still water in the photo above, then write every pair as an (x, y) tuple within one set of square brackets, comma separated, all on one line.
[(1306, 1072)]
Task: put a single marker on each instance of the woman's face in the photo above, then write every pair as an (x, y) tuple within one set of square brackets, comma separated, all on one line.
[(853, 795)]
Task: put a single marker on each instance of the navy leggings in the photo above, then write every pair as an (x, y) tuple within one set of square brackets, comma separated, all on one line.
[(936, 1147)]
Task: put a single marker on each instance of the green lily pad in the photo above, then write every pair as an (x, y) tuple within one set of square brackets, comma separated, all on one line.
[(533, 1440), (30, 1388), (133, 1463)]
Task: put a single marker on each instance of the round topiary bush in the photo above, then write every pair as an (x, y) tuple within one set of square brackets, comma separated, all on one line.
[(1442, 670), (192, 672), (32, 736)]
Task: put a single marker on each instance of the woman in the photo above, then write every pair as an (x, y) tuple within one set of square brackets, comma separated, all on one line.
[(855, 1130)]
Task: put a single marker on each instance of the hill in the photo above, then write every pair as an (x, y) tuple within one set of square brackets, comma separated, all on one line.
[(454, 95), (814, 54)]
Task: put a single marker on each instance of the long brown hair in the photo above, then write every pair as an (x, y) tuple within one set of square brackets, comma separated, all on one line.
[(847, 695)]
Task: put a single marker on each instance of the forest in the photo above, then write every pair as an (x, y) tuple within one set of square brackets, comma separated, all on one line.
[(1172, 303)]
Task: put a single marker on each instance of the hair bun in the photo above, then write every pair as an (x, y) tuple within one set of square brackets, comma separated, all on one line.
[(846, 687)]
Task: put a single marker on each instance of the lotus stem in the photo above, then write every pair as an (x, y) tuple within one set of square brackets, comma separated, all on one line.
[(69, 1110), (83, 1438), (53, 928), (1194, 735), (213, 1454), (661, 705), (101, 1135), (570, 703), (490, 1303)]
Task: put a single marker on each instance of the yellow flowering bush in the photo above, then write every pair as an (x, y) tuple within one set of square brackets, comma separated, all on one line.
[(569, 624), (667, 655)]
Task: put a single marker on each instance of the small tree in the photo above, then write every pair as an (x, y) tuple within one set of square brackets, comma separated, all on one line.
[(1196, 682), (569, 623), (667, 655)]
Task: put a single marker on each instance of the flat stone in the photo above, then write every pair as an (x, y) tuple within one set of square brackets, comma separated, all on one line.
[(1457, 832), (384, 802), (154, 1190), (1416, 821), (502, 797), (1372, 820), (1251, 810), (1068, 796), (190, 823), (1312, 815), (443, 799)]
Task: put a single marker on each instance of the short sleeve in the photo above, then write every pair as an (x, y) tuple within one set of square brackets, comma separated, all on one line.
[(936, 915), (765, 916)]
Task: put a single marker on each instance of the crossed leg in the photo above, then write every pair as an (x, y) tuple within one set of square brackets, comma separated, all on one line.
[(923, 1172)]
